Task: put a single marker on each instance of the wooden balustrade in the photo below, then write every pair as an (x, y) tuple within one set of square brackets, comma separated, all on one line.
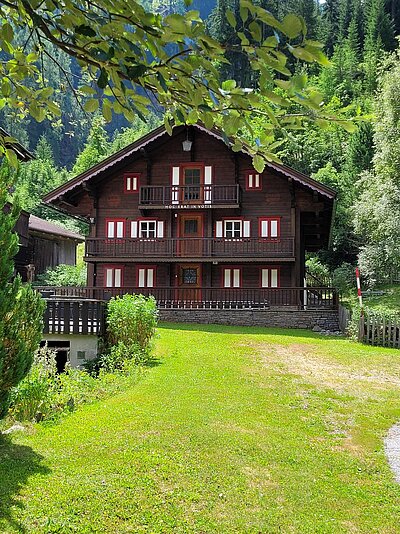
[(190, 248), (71, 316), (162, 196), (206, 297)]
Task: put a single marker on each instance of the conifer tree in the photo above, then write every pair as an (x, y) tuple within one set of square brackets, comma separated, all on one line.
[(21, 308), (96, 147)]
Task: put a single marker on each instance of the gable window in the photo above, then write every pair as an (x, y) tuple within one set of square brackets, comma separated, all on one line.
[(253, 181), (146, 276), (232, 228), (115, 228), (270, 277), (147, 229), (113, 276), (232, 277), (270, 227), (131, 182)]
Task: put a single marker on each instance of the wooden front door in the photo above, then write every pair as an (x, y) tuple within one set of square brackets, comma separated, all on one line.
[(190, 235), (189, 282)]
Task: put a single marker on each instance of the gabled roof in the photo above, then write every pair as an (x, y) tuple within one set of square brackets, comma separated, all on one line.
[(160, 132), (36, 224)]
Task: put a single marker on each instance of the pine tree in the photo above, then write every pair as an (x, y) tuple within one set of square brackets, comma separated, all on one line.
[(21, 308), (96, 147)]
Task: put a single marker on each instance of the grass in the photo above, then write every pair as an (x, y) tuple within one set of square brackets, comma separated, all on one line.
[(387, 304), (237, 430)]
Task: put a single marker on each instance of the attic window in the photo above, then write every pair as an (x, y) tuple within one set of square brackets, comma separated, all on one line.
[(253, 181), (131, 182)]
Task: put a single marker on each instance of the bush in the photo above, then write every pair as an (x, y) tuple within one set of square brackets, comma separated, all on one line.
[(316, 268), (132, 322), (63, 275), (344, 278)]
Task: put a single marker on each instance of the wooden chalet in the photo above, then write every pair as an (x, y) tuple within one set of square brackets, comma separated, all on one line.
[(188, 220)]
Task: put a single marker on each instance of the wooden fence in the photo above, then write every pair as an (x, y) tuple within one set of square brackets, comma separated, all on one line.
[(379, 331), (344, 318)]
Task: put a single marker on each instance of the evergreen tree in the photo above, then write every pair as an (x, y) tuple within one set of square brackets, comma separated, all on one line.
[(96, 148), (21, 308)]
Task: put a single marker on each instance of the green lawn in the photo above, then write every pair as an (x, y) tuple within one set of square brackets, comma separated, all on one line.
[(389, 303), (237, 430)]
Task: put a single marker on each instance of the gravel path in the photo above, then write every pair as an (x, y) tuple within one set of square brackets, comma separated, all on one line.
[(392, 449)]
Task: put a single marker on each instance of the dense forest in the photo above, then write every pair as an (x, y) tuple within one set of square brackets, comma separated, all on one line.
[(361, 39)]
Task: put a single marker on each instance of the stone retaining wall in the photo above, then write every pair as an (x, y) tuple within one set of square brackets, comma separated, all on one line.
[(309, 319)]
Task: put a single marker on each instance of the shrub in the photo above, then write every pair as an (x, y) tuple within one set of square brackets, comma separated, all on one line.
[(344, 278), (63, 275), (132, 320)]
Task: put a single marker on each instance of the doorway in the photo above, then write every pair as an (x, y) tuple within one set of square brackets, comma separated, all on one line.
[(190, 232)]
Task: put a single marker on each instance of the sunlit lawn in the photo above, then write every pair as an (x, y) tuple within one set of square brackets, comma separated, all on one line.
[(237, 430)]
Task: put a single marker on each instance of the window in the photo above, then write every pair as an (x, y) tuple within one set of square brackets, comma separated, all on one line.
[(147, 229), (189, 276), (131, 181), (81, 354), (146, 276), (232, 228), (115, 228), (270, 277), (253, 181), (232, 277), (113, 276), (270, 227), (191, 226)]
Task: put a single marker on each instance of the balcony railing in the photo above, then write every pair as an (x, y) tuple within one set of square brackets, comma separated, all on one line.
[(190, 248), (198, 298), (64, 315), (188, 195)]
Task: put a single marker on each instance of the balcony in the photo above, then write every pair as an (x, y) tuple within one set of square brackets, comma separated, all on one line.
[(195, 248), (68, 312), (189, 196)]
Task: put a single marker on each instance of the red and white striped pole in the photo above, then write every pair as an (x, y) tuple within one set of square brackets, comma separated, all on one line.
[(359, 287)]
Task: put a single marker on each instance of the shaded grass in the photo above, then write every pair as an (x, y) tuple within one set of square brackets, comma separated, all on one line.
[(389, 303), (240, 430)]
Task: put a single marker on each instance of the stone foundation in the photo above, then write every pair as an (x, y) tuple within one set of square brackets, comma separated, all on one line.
[(308, 319)]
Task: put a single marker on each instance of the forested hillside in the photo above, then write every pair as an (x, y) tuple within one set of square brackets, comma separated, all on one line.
[(359, 37)]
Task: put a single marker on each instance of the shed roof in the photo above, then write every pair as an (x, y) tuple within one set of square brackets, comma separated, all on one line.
[(36, 224)]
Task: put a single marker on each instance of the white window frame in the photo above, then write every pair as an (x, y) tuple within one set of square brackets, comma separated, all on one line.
[(144, 228)]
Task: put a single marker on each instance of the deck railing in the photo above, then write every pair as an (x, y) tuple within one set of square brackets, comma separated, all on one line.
[(190, 248), (206, 297), (160, 195), (66, 316)]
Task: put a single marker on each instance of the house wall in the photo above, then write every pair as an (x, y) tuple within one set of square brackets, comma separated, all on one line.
[(48, 253), (88, 344)]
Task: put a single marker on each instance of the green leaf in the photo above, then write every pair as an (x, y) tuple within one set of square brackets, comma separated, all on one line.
[(291, 26), (103, 79), (255, 30), (228, 85), (6, 87), (231, 18), (83, 29), (349, 126), (7, 32), (91, 105), (258, 163), (12, 158)]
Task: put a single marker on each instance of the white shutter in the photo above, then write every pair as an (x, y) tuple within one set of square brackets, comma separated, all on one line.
[(150, 277), (134, 229), (175, 175), (208, 175), (250, 183), (134, 183), (129, 183), (274, 277), (236, 278), (109, 278), (120, 229), (265, 278), (117, 277), (274, 228), (160, 229), (246, 228), (257, 181), (141, 281), (264, 229), (175, 185), (218, 229), (110, 229), (227, 277)]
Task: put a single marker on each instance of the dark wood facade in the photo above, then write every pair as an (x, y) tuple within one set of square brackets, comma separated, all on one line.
[(162, 217)]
